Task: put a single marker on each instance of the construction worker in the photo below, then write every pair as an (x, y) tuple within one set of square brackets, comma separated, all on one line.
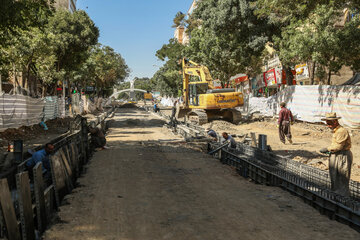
[(98, 140), (211, 133), (285, 120), (341, 157), (229, 138), (173, 120), (42, 156)]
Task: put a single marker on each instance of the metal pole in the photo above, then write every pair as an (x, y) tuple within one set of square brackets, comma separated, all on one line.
[(262, 144), (218, 149), (18, 151)]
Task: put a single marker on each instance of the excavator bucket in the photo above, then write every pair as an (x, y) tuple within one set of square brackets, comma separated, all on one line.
[(181, 112)]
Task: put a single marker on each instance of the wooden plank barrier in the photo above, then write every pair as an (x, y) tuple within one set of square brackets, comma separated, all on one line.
[(72, 152), (39, 197), (25, 206), (8, 211), (49, 196), (75, 158), (58, 177), (68, 171), (68, 157)]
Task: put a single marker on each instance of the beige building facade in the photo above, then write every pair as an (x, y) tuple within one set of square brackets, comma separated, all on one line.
[(66, 4), (180, 32)]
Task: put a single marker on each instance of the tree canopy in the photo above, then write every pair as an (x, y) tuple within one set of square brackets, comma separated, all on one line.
[(232, 36), (168, 79), (51, 47)]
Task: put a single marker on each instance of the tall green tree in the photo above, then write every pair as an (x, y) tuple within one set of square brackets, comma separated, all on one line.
[(349, 39), (168, 79), (307, 31), (23, 14), (73, 35), (104, 69), (32, 53), (179, 20), (231, 38), (17, 18), (318, 40)]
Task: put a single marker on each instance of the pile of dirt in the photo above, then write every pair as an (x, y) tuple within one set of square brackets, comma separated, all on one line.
[(128, 105), (55, 126), (221, 126)]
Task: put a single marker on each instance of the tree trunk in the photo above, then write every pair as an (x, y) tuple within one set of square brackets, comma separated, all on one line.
[(35, 87), (16, 82), (289, 75), (63, 90), (329, 78), (26, 80), (44, 88), (311, 69)]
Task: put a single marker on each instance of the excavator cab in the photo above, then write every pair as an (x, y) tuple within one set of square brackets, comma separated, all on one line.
[(195, 90)]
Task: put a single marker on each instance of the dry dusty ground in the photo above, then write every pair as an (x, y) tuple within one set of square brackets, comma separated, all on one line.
[(150, 185), (308, 140)]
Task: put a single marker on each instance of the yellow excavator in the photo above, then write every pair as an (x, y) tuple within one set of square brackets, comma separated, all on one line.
[(201, 101)]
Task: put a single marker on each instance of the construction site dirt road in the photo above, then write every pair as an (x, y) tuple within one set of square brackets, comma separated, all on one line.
[(150, 184)]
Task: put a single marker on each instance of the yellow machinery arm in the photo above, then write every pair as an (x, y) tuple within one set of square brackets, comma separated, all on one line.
[(191, 68)]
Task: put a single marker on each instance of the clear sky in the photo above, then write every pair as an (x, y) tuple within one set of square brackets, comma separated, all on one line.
[(135, 28)]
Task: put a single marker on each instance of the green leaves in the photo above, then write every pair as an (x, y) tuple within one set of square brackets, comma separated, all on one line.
[(179, 20), (167, 79), (73, 35), (104, 69), (55, 46), (230, 37)]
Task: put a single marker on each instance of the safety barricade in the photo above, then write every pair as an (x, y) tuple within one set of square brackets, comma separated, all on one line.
[(27, 207)]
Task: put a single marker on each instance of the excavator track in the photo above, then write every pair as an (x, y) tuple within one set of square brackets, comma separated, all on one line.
[(197, 116), (231, 115), (236, 116)]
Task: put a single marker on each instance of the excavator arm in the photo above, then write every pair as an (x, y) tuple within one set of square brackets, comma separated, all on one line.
[(191, 68)]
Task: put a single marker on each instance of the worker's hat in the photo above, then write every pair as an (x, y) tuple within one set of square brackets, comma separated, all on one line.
[(330, 116)]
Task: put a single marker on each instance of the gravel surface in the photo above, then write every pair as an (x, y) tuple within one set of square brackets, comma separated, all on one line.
[(151, 185)]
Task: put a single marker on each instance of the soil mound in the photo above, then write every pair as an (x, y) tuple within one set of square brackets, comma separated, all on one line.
[(128, 105)]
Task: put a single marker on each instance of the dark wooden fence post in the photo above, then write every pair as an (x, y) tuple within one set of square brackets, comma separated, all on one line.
[(25, 206), (8, 211), (39, 197)]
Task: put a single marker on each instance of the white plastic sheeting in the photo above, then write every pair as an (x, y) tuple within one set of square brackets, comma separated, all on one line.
[(310, 103), (54, 108), (167, 101), (19, 110), (51, 108)]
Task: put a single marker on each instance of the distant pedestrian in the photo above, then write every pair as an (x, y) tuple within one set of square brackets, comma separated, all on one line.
[(285, 120), (156, 108), (230, 139), (341, 157), (211, 133)]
